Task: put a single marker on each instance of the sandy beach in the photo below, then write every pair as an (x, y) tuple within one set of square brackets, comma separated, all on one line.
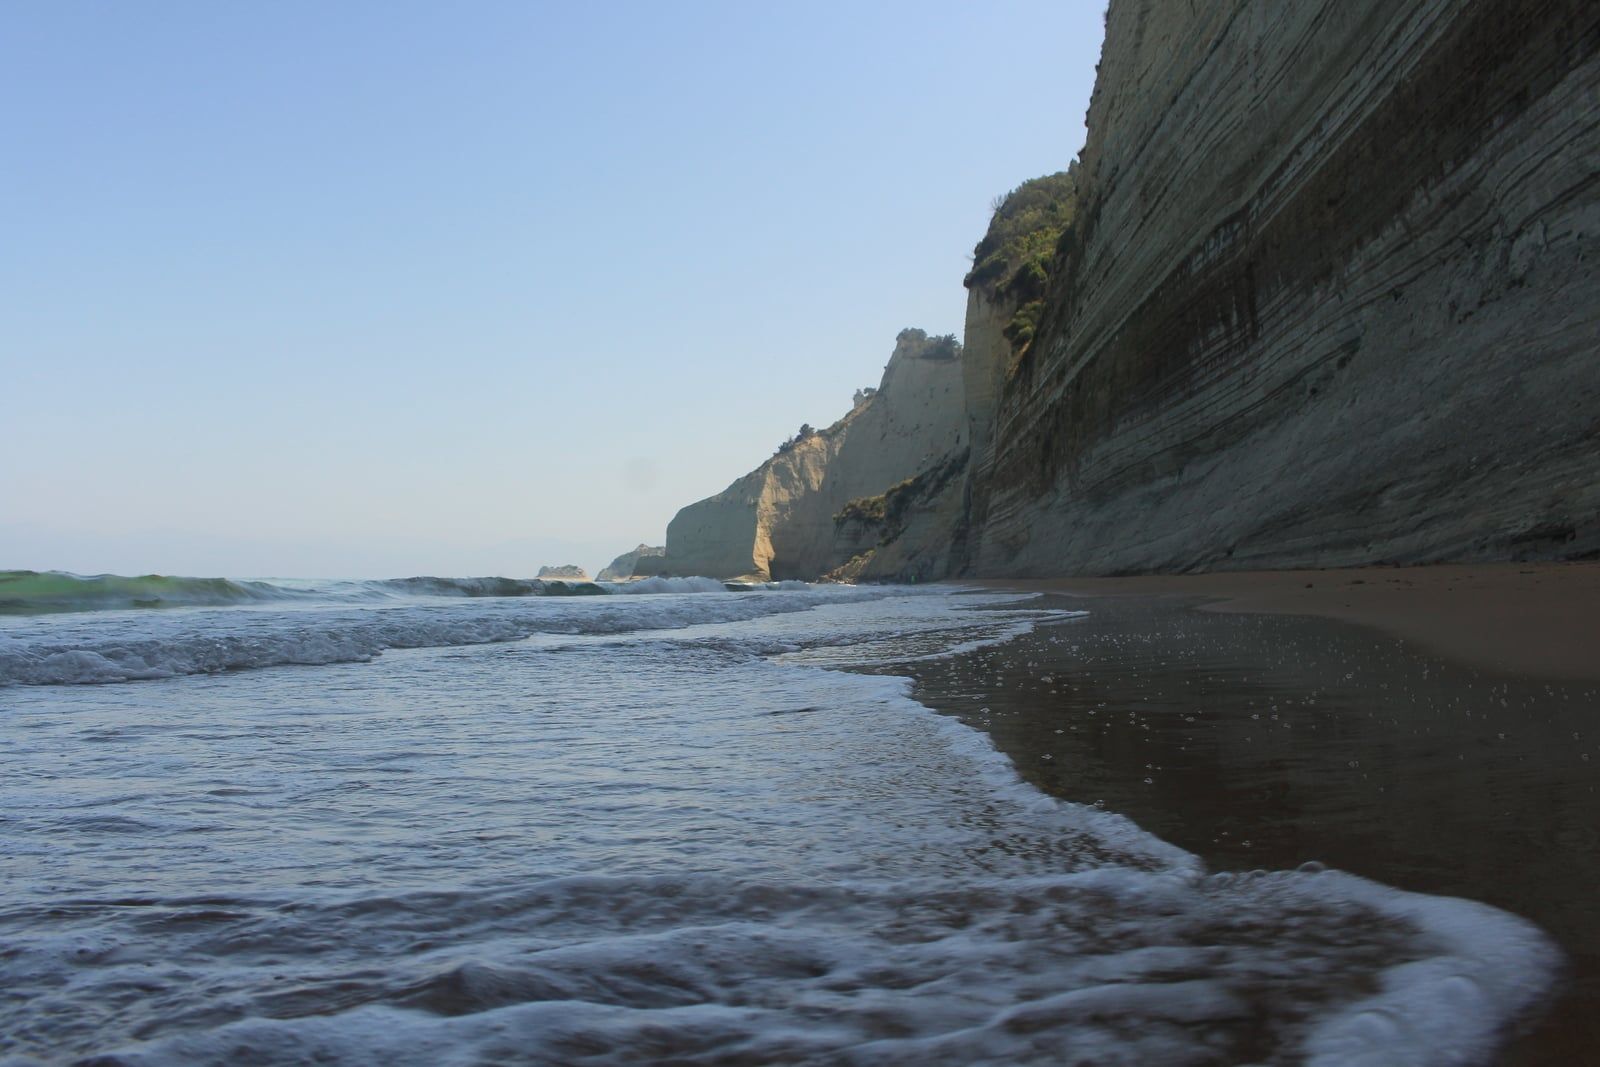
[(1430, 728), (1541, 619)]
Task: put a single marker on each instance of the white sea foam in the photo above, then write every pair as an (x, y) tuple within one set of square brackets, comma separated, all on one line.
[(669, 585), (645, 839), (49, 592), (104, 648)]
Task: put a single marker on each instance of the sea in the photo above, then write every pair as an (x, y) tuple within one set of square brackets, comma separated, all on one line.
[(485, 821)]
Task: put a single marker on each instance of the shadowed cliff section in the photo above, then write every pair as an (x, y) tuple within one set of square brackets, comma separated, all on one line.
[(1329, 297), (919, 529)]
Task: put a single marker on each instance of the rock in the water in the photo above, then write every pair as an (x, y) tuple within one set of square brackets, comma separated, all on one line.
[(570, 572)]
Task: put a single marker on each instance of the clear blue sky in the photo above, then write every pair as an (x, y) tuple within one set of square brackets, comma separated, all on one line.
[(368, 289)]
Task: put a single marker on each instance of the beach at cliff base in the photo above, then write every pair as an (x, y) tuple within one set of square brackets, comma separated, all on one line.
[(1432, 728)]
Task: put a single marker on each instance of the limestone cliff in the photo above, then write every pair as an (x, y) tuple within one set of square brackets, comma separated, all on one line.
[(919, 529), (778, 521), (1320, 290), (1329, 298), (627, 564)]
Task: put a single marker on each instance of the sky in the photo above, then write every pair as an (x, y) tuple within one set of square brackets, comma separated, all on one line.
[(385, 288)]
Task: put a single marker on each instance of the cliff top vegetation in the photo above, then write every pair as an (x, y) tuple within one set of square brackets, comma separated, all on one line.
[(934, 346), (805, 432), (1016, 258)]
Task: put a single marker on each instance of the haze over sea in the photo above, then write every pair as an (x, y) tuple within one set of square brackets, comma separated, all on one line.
[(359, 291), (407, 822)]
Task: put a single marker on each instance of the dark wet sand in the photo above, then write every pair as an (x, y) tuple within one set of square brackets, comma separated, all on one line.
[(1540, 619), (1269, 739)]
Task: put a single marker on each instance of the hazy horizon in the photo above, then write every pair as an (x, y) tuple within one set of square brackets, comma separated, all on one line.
[(368, 291)]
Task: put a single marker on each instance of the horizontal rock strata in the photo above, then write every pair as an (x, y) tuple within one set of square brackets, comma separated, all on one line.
[(1330, 299), (1319, 291)]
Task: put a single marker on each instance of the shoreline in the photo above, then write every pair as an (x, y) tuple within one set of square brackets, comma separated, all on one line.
[(1433, 729), (1535, 619)]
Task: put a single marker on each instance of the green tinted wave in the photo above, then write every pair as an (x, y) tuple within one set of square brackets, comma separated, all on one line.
[(38, 592)]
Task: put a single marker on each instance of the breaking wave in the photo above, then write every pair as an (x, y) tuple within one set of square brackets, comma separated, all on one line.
[(54, 592), (38, 592), (317, 632)]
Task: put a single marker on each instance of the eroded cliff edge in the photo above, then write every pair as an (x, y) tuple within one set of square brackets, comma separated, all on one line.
[(1320, 290)]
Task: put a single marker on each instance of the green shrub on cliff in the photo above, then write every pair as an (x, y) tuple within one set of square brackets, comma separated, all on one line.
[(888, 509), (1020, 330), (888, 506), (864, 509), (806, 431), (1015, 257), (942, 346)]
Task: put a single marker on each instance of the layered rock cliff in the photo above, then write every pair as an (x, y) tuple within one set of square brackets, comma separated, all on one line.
[(1329, 298), (1320, 290)]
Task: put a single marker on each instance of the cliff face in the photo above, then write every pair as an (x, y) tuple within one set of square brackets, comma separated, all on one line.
[(1329, 298), (778, 521), (1320, 291)]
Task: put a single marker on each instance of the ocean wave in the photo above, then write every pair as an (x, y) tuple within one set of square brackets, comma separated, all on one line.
[(670, 873), (1101, 966), (99, 661), (669, 585), (56, 592), (486, 587), (40, 592), (106, 648)]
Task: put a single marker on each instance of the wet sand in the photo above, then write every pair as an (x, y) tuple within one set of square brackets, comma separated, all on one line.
[(1541, 619), (1255, 736)]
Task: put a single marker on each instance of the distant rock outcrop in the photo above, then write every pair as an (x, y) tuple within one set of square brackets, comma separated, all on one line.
[(624, 565), (779, 521), (569, 572)]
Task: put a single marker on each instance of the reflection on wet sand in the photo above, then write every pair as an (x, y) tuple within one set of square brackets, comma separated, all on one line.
[(1268, 741)]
